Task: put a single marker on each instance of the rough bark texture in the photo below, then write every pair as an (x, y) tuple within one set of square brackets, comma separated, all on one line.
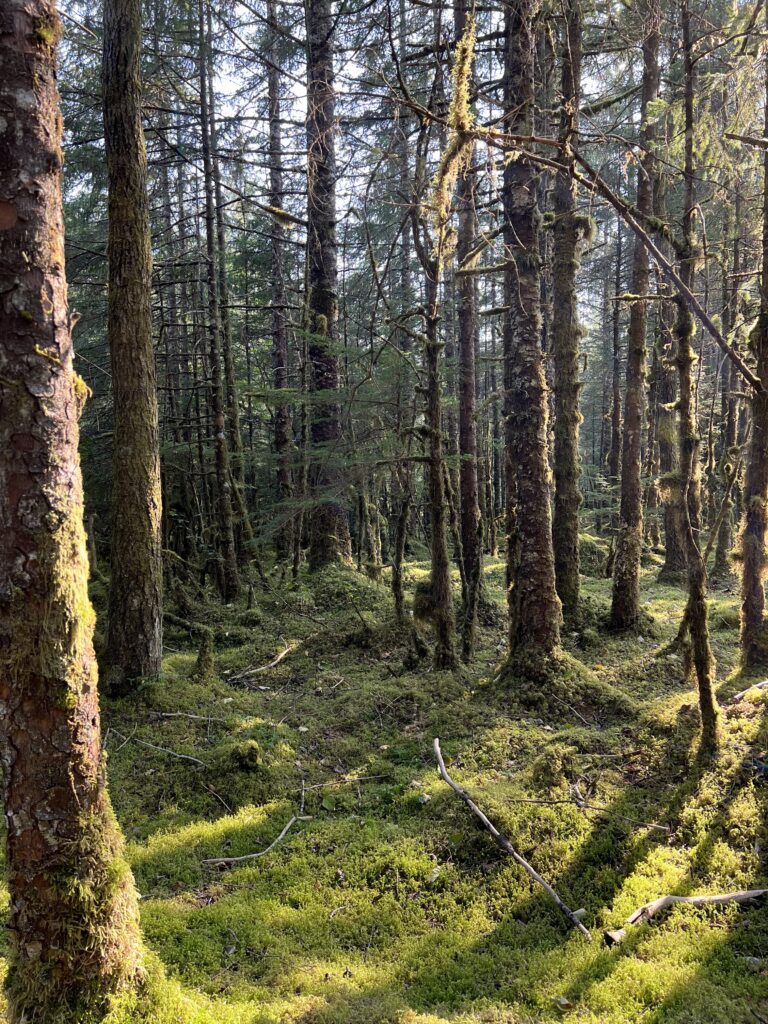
[(135, 633), (625, 602), (466, 323), (73, 906), (229, 575), (329, 530), (568, 233), (283, 419), (535, 611), (754, 635)]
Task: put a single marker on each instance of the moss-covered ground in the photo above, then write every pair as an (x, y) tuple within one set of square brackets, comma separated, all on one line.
[(386, 902)]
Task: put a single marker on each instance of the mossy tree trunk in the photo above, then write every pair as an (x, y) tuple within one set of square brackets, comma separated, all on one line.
[(625, 599), (73, 905), (614, 452), (229, 576), (567, 239), (135, 633), (535, 611), (695, 617), (283, 428), (754, 632), (329, 537), (467, 330)]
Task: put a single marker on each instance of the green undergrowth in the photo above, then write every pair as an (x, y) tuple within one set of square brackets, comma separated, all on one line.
[(385, 903)]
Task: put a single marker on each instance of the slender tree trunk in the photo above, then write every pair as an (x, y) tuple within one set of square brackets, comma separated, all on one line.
[(695, 619), (535, 611), (329, 531), (73, 907), (283, 420), (466, 322), (754, 635), (230, 576), (614, 454), (625, 602), (135, 630), (568, 234)]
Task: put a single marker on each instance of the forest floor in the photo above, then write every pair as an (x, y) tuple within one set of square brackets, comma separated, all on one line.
[(386, 902)]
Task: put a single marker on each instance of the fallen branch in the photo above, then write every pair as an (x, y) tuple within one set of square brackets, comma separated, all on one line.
[(743, 693), (225, 862), (264, 668), (506, 846), (162, 750), (649, 910)]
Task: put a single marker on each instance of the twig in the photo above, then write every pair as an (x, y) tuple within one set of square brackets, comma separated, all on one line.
[(163, 750), (264, 668), (348, 782), (505, 844), (223, 862), (183, 714), (221, 799)]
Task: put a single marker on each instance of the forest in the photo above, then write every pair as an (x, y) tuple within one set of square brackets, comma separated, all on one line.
[(383, 511)]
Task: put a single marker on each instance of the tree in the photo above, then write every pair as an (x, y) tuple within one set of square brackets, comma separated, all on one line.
[(135, 629), (754, 641), (73, 916), (534, 606), (466, 323), (625, 599), (568, 235), (330, 540)]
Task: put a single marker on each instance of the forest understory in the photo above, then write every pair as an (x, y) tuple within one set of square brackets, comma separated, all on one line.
[(385, 902)]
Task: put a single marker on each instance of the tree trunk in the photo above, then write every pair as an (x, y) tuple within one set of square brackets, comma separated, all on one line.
[(466, 317), (73, 906), (283, 420), (625, 602), (135, 630), (568, 234), (535, 611), (229, 575), (330, 540), (695, 619), (754, 636)]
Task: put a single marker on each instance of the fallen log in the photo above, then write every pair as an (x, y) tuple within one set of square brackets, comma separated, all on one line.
[(574, 916)]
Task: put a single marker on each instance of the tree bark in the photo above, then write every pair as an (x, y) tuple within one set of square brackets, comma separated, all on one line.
[(625, 602), (73, 905), (535, 611), (135, 632), (330, 539), (466, 322), (754, 634), (283, 435), (567, 240), (229, 574)]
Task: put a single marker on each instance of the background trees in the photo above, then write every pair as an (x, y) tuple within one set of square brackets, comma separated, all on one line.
[(290, 303)]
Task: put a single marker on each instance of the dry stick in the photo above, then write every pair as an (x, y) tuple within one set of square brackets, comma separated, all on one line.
[(742, 693), (505, 844), (265, 668), (649, 910), (223, 862), (162, 750), (184, 714)]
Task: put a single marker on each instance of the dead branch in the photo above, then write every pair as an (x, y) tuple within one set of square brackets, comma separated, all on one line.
[(264, 668), (506, 846), (162, 750), (743, 693), (650, 910), (225, 862)]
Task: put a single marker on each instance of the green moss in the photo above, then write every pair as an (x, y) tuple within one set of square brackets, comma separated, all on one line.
[(388, 904)]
